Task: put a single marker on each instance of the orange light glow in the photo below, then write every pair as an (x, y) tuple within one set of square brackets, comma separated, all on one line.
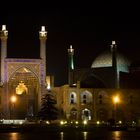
[(116, 99), (13, 99)]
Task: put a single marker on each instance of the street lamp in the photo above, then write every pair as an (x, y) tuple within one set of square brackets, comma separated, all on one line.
[(13, 100), (116, 100)]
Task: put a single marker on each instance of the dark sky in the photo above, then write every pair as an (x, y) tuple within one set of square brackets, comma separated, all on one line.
[(90, 32)]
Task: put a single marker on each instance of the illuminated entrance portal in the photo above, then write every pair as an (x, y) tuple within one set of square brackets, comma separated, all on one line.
[(25, 86), (21, 88), (24, 78), (86, 114)]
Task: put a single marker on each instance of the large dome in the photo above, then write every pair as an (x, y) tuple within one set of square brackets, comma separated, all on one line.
[(105, 60)]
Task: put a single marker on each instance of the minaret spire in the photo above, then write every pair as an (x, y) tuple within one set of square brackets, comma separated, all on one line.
[(70, 65), (71, 54), (43, 38), (3, 37), (113, 49), (114, 63)]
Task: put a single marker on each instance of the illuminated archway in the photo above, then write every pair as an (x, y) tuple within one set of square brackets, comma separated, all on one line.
[(25, 85), (86, 114), (21, 88)]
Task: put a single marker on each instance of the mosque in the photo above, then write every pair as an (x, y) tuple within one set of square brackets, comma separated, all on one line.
[(109, 89)]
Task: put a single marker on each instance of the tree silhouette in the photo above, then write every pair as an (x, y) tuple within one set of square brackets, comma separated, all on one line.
[(48, 110)]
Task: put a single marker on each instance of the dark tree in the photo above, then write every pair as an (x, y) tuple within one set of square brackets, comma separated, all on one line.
[(48, 110)]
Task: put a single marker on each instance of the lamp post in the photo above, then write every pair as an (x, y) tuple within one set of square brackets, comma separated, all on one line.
[(116, 100), (13, 100)]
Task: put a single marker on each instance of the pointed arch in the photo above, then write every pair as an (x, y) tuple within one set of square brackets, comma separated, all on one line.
[(28, 96), (86, 114), (72, 98), (86, 97), (26, 67)]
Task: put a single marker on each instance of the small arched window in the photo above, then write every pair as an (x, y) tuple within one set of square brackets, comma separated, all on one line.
[(73, 98), (100, 96), (86, 97)]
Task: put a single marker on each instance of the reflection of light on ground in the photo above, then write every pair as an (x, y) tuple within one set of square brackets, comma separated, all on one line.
[(62, 135), (117, 135), (14, 136), (85, 135)]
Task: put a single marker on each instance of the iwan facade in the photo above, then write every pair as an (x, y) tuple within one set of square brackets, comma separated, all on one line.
[(23, 78)]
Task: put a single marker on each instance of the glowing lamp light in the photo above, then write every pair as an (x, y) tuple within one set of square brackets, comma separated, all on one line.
[(61, 122), (120, 122), (98, 122), (47, 122), (84, 122), (13, 99), (116, 99)]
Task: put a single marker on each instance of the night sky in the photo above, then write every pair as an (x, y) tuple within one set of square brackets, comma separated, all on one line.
[(90, 32)]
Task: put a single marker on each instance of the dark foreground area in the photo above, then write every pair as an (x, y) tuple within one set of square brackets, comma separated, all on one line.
[(63, 128), (97, 134)]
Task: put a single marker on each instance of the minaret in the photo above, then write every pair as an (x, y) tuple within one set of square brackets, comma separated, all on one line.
[(114, 63), (43, 38), (3, 37), (70, 65)]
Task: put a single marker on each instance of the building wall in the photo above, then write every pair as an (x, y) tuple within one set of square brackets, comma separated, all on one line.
[(101, 105)]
